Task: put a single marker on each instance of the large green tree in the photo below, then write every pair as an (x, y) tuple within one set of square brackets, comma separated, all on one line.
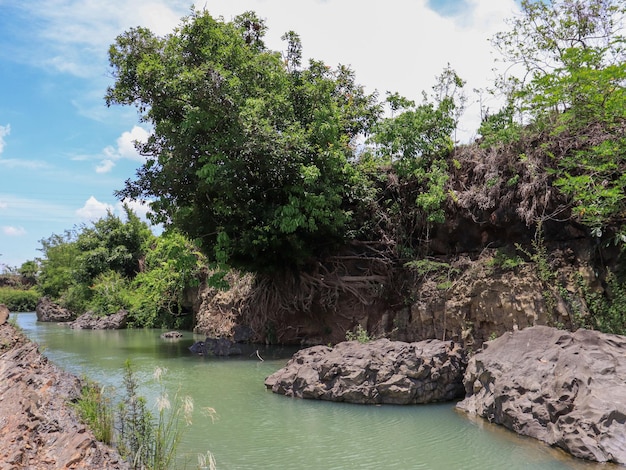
[(250, 152)]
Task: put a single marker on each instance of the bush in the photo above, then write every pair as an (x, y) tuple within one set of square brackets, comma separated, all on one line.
[(19, 300)]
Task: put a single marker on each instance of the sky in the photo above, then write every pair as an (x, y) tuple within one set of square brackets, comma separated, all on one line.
[(63, 153)]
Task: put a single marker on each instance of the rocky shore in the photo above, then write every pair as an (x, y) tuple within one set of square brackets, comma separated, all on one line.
[(38, 427)]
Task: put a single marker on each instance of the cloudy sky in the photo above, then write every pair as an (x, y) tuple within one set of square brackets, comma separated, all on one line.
[(63, 152)]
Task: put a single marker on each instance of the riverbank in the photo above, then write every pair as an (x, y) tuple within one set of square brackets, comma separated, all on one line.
[(38, 427)]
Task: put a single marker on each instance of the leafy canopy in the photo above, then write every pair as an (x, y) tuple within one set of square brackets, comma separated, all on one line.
[(573, 57), (250, 151)]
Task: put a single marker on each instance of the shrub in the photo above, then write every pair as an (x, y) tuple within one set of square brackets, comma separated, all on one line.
[(19, 300)]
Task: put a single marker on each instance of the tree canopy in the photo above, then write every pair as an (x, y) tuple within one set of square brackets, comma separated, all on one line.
[(572, 53), (250, 151)]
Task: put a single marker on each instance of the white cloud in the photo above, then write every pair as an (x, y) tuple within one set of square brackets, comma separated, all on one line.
[(126, 143), (13, 231), (125, 148), (105, 166), (4, 131), (93, 209), (3, 205)]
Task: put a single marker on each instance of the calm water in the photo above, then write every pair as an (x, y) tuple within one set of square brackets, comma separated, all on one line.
[(257, 429)]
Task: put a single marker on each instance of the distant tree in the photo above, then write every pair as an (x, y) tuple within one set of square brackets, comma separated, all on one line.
[(111, 244), (58, 262), (250, 154), (29, 270)]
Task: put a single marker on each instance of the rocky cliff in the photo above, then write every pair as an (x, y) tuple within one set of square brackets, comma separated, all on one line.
[(38, 428)]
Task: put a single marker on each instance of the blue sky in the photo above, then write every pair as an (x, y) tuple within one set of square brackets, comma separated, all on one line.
[(63, 152)]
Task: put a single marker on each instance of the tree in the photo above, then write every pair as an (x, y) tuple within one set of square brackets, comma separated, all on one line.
[(57, 263), (416, 142), (573, 57), (250, 154), (111, 244)]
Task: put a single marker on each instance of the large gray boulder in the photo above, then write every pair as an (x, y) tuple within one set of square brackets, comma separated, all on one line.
[(90, 321), (48, 311), (566, 389), (380, 371)]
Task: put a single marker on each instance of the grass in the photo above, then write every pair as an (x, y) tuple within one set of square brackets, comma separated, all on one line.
[(146, 440)]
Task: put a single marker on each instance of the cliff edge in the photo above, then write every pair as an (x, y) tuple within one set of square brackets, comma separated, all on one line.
[(38, 427)]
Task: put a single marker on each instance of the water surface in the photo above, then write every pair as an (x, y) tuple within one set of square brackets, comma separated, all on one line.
[(257, 429)]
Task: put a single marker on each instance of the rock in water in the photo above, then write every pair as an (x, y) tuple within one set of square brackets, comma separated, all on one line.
[(89, 321), (380, 371), (566, 389), (48, 311)]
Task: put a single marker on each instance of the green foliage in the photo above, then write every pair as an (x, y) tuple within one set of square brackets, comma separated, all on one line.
[(608, 310), (19, 300), (95, 410), (111, 245), (109, 293), (91, 267), (440, 272), (250, 153), (58, 263), (503, 260), (172, 265), (359, 334), (573, 58), (29, 270)]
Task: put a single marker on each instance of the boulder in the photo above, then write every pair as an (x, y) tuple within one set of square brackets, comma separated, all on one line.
[(566, 389), (90, 321), (380, 371), (48, 311), (4, 314), (215, 347), (171, 335)]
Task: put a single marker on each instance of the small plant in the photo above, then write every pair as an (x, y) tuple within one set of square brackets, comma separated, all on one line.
[(359, 334), (95, 410), (145, 440), (504, 261)]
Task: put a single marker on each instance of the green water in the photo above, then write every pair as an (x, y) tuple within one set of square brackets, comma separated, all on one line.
[(257, 429)]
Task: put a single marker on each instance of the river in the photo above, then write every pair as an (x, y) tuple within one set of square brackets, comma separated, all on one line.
[(256, 429)]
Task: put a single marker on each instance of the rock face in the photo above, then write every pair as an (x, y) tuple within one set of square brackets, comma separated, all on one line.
[(380, 371), (37, 427), (48, 311), (566, 389), (89, 321)]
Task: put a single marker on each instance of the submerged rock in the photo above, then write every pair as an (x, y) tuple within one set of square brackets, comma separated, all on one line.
[(215, 347), (48, 311), (566, 389), (380, 371), (90, 321), (171, 335)]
